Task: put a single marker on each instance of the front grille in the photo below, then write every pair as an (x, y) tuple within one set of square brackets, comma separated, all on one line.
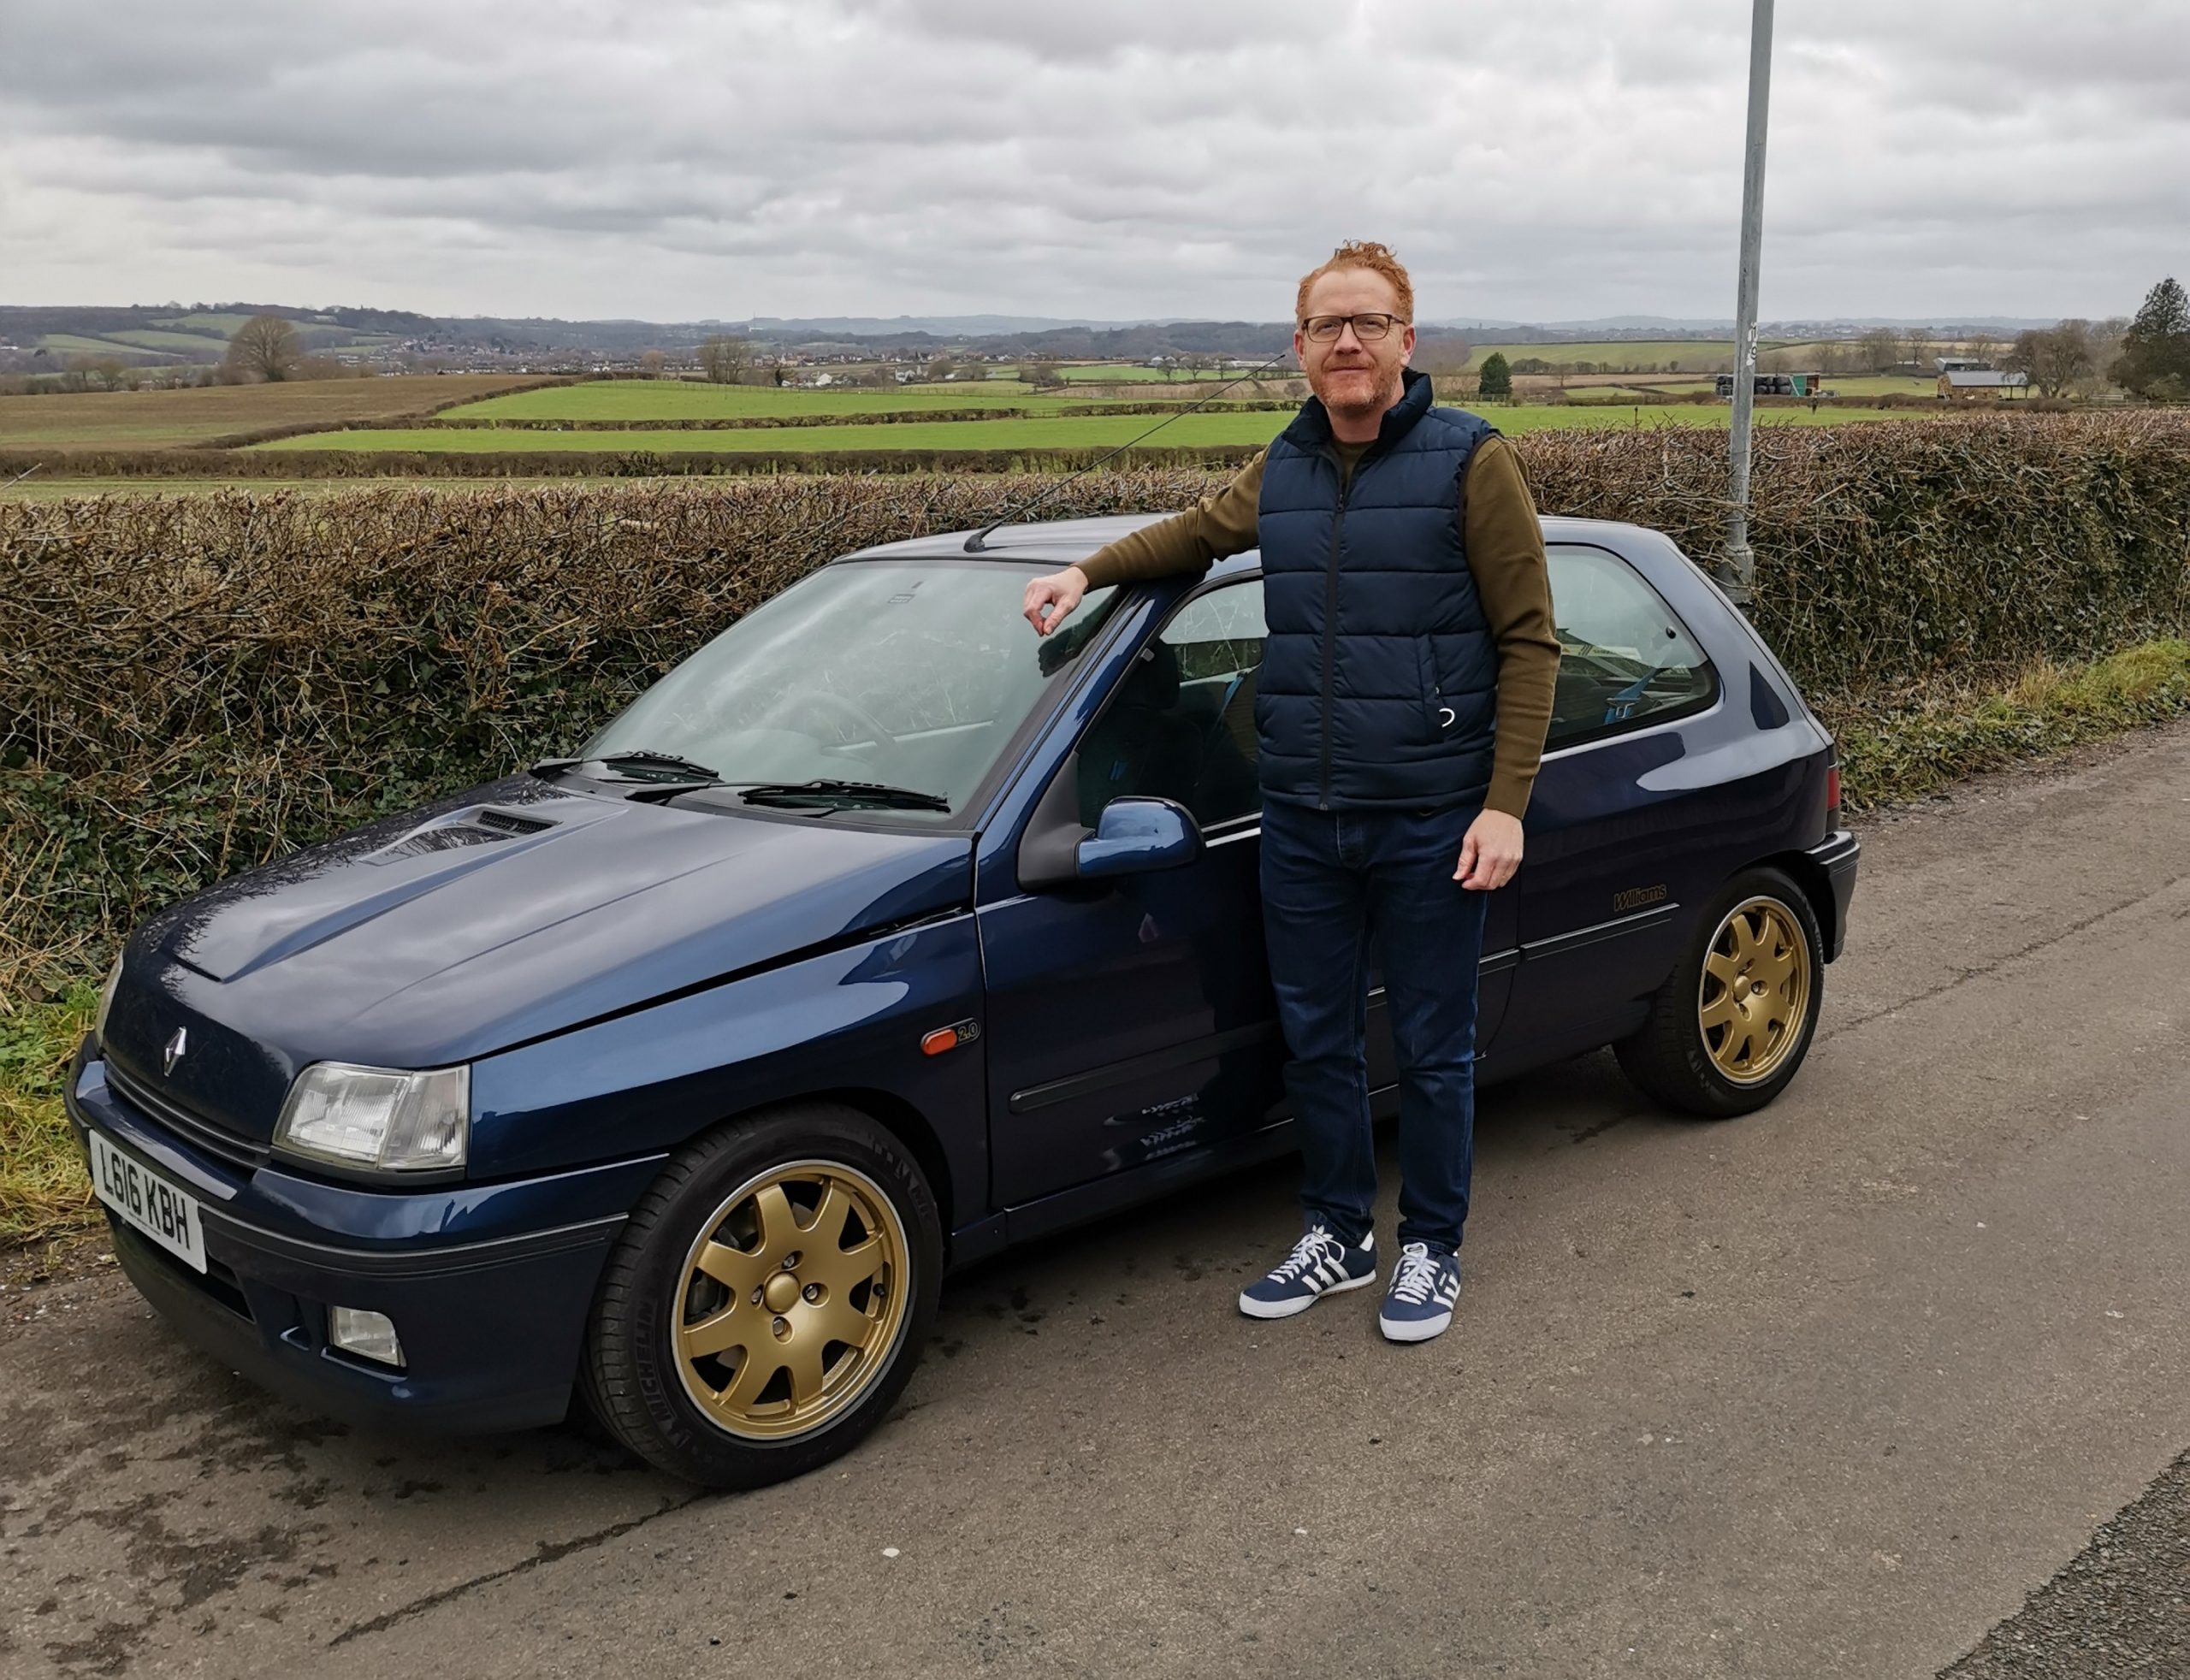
[(164, 1110)]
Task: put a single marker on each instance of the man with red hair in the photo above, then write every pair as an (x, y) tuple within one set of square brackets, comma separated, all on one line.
[(1402, 703)]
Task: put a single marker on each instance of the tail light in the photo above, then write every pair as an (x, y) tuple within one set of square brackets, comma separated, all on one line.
[(1833, 792)]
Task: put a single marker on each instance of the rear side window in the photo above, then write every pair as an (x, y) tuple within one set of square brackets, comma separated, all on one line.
[(1625, 659)]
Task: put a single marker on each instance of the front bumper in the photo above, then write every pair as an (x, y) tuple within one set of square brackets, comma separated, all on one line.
[(1836, 855), (489, 1286)]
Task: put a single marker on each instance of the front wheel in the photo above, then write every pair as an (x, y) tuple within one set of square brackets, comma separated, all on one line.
[(1731, 1025), (765, 1303)]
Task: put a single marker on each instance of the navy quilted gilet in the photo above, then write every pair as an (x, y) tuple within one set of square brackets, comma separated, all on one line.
[(1379, 683)]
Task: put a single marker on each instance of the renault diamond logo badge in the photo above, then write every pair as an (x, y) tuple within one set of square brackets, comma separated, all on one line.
[(176, 1048)]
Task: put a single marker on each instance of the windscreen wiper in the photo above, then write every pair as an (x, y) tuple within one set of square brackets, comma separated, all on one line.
[(640, 757), (825, 790)]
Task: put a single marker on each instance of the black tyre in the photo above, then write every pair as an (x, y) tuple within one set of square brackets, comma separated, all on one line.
[(765, 1305), (1731, 1024)]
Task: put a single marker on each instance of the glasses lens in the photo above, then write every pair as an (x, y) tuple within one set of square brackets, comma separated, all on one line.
[(1325, 329)]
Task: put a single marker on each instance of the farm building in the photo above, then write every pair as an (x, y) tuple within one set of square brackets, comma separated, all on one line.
[(1962, 363), (1966, 383)]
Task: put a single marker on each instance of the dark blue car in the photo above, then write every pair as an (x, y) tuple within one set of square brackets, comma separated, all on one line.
[(878, 935)]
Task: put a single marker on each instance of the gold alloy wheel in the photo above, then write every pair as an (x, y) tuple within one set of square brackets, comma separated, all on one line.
[(1755, 991), (792, 1299)]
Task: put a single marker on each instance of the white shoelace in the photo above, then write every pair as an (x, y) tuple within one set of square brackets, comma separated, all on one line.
[(1417, 1274), (1306, 1253)]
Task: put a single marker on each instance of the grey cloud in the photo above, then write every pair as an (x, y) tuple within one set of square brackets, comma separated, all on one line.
[(1141, 157)]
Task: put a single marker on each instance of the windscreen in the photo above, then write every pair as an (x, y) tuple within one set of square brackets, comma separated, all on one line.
[(914, 674)]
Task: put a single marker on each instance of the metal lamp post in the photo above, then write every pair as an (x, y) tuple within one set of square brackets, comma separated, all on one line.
[(1739, 572)]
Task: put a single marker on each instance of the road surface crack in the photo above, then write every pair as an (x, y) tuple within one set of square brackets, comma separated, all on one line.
[(1963, 976), (549, 1552)]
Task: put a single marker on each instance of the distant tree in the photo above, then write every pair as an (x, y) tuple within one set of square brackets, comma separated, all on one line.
[(1042, 376), (941, 368), (652, 362), (2155, 359), (779, 370), (1917, 341), (109, 372), (1981, 346), (266, 347), (2055, 357), (724, 359), (1881, 348), (1496, 379)]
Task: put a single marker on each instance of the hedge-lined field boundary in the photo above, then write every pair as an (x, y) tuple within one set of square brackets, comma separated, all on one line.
[(190, 685), (366, 464)]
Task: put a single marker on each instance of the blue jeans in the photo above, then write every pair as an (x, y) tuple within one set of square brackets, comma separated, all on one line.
[(1332, 881)]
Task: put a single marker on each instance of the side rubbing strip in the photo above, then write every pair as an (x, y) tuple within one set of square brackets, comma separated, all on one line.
[(1138, 1066)]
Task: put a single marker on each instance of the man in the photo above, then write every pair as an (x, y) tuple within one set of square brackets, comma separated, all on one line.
[(1403, 695)]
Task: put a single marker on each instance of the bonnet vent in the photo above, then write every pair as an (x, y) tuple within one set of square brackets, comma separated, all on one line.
[(478, 828)]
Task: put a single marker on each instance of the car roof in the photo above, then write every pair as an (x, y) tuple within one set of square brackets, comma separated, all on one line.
[(1059, 542)]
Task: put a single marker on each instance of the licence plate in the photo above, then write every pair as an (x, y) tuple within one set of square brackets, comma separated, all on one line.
[(163, 1211)]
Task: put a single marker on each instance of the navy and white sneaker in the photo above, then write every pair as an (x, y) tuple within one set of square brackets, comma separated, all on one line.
[(1320, 1264), (1419, 1304)]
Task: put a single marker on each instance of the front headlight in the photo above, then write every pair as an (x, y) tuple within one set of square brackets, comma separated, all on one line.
[(106, 1001), (378, 1119)]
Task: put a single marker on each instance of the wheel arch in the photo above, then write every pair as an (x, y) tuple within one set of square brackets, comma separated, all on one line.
[(1807, 873), (895, 1115)]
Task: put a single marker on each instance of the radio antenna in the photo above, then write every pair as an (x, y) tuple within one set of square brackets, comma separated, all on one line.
[(978, 542)]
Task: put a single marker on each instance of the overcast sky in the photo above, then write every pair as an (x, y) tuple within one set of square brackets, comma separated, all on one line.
[(1531, 159)]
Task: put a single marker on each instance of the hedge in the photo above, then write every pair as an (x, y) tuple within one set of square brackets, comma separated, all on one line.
[(189, 685)]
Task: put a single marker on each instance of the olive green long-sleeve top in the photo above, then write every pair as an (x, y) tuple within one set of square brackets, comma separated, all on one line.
[(1504, 551)]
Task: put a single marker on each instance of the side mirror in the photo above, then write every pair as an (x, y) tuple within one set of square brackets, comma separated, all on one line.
[(1139, 832)]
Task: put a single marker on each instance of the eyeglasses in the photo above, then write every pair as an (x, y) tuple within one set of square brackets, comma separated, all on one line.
[(1325, 329)]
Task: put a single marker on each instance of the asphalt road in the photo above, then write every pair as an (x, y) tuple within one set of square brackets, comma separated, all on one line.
[(1825, 1392)]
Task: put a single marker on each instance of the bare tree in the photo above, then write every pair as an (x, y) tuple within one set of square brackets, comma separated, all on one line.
[(2055, 358), (1881, 348), (724, 359), (652, 362), (941, 368), (266, 347), (1981, 346), (1917, 341)]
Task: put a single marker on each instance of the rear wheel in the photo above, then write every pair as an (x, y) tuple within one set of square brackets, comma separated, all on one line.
[(765, 1305), (1731, 1025)]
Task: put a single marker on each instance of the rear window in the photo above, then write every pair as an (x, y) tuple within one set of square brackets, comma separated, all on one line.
[(1626, 660)]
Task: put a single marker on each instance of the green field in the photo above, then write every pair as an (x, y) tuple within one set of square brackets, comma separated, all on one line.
[(681, 399), (75, 344), (154, 338), (1066, 431), (219, 326)]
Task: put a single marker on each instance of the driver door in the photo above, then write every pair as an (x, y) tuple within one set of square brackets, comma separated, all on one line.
[(1132, 1020)]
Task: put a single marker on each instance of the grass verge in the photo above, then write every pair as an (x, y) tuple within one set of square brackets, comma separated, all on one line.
[(1910, 745), (1897, 749), (43, 1190)]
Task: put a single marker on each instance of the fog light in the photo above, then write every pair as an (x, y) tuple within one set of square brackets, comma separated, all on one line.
[(370, 1335)]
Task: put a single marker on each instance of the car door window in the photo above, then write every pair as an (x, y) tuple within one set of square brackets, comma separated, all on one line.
[(1181, 724), (1624, 657)]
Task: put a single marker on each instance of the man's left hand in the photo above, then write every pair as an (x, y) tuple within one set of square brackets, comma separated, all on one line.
[(1490, 852)]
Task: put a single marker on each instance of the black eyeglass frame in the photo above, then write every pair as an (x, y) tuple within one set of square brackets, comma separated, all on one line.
[(1390, 321)]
